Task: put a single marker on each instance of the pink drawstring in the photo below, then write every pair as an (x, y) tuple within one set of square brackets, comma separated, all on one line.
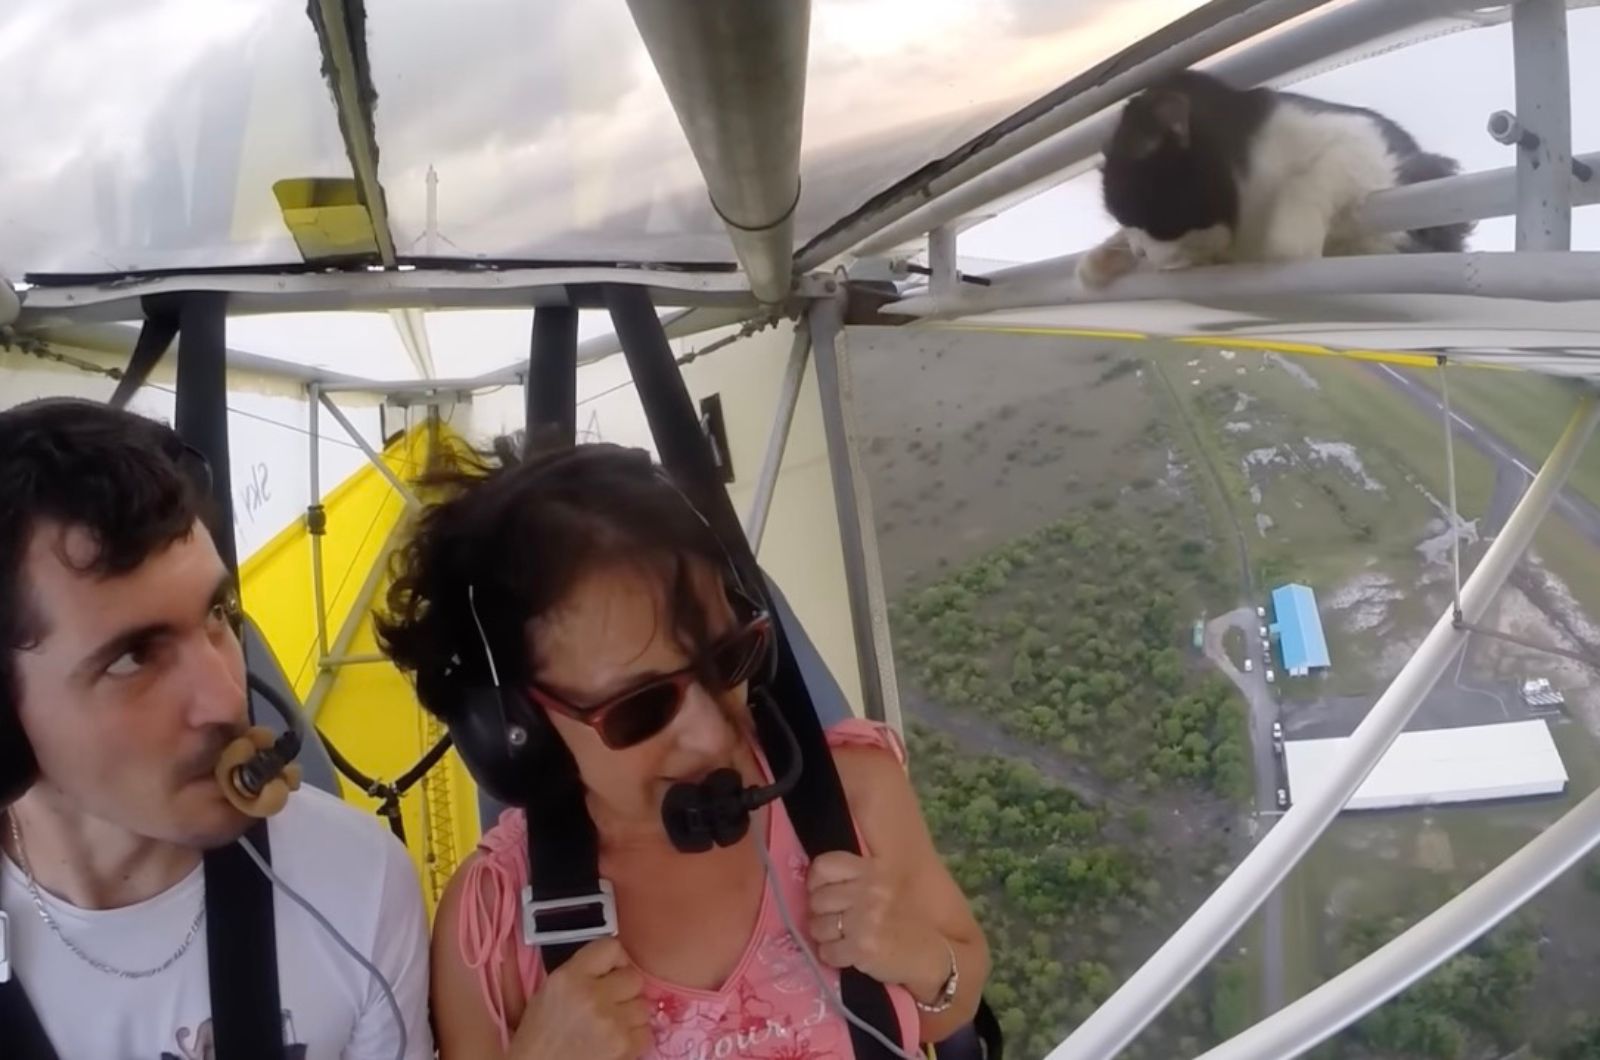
[(489, 916)]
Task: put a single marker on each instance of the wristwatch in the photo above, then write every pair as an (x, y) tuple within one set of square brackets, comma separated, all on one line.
[(947, 993)]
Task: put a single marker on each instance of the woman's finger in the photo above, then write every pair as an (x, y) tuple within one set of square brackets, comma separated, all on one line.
[(828, 927), (837, 954), (834, 867), (835, 898)]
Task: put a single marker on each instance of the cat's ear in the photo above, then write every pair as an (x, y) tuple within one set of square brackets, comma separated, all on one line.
[(1171, 112), (1153, 120)]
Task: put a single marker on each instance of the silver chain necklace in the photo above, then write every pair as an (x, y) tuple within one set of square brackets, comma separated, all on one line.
[(73, 947)]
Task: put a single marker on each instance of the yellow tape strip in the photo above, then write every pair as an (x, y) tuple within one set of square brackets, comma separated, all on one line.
[(1304, 349)]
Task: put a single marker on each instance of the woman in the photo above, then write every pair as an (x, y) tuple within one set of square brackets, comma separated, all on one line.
[(600, 590)]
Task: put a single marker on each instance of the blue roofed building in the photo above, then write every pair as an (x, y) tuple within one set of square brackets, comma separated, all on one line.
[(1298, 627)]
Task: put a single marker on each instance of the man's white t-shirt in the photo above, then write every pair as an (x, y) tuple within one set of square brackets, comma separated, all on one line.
[(345, 863)]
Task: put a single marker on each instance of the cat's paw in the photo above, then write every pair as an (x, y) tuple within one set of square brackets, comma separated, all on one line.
[(1099, 267)]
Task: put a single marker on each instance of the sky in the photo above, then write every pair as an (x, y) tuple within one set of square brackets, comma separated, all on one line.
[(544, 122), (550, 134)]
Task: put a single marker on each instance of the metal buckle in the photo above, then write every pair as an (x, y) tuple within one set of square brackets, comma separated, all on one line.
[(5, 948), (605, 898)]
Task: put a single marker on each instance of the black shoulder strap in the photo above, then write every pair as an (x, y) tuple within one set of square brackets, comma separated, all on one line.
[(24, 1036), (563, 849), (242, 947), (242, 952), (821, 817)]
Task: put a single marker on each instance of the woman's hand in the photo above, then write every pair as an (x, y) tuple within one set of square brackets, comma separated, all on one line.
[(859, 921), (591, 1007)]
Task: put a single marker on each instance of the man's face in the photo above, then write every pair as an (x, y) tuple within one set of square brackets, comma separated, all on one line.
[(135, 686)]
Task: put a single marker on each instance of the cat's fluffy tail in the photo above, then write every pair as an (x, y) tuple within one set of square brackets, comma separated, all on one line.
[(1441, 239)]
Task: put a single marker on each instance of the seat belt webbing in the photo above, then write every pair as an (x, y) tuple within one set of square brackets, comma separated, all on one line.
[(24, 1036), (242, 947)]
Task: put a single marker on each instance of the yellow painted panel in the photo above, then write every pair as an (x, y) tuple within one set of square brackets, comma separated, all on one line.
[(370, 712), (276, 582)]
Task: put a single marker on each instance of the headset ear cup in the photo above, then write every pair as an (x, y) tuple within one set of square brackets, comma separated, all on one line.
[(483, 733)]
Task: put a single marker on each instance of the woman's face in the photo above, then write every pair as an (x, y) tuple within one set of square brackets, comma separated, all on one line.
[(612, 633)]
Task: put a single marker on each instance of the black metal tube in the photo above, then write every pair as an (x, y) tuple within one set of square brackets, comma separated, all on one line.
[(670, 410), (154, 338), (409, 778), (552, 385), (202, 403)]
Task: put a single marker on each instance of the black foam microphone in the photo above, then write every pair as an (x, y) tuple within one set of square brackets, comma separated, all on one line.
[(716, 811)]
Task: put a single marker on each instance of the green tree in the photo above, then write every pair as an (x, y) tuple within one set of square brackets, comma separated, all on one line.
[(1021, 672)]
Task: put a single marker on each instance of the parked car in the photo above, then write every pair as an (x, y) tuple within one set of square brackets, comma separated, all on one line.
[(1283, 799), (1277, 736), (1249, 664), (1270, 677), (1261, 612)]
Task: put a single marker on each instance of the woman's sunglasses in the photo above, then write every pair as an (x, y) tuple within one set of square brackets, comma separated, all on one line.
[(645, 710)]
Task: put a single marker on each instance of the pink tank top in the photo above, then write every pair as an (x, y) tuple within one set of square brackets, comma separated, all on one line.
[(769, 1008)]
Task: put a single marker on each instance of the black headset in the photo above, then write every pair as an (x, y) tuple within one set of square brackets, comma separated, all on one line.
[(514, 753)]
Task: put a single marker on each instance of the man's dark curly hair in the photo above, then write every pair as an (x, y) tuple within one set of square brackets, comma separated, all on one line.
[(521, 530), (128, 481)]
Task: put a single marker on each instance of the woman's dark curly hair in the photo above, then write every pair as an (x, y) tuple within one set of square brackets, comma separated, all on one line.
[(521, 530)]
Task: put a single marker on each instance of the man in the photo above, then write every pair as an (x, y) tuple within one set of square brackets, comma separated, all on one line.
[(121, 681)]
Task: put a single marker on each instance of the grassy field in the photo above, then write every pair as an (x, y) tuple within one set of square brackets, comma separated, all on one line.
[(971, 441), (1332, 478), (1326, 474), (1328, 517), (1528, 411)]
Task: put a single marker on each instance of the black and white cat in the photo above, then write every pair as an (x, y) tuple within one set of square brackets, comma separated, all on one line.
[(1198, 172)]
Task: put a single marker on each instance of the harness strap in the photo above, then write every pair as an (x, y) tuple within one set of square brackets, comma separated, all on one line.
[(242, 946), (23, 1032), (563, 850), (821, 818)]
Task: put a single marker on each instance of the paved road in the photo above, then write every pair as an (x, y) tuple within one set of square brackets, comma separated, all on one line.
[(1246, 578), (1263, 712), (1583, 515), (1513, 473)]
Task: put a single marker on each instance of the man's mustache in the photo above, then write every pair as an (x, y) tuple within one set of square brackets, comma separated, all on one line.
[(203, 763)]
